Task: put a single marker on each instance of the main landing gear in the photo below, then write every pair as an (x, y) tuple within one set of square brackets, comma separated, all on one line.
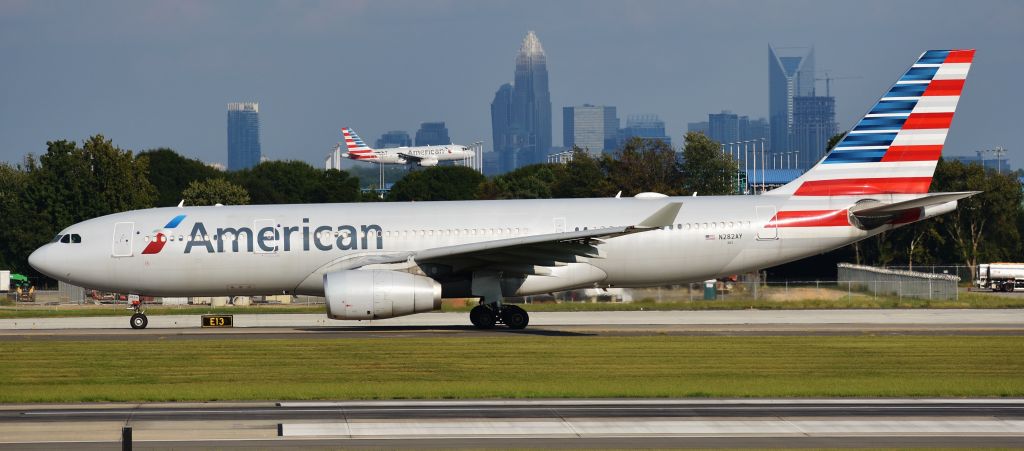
[(486, 316), (139, 320)]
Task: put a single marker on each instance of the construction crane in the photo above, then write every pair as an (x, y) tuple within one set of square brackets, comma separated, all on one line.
[(828, 81)]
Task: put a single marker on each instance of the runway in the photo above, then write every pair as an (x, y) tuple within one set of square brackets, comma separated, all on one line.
[(514, 423), (730, 322)]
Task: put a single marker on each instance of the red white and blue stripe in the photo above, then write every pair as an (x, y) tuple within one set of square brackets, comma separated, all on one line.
[(895, 147), (357, 149)]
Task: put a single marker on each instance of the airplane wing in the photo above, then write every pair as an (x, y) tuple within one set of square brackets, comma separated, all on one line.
[(527, 254), (536, 253), (410, 158)]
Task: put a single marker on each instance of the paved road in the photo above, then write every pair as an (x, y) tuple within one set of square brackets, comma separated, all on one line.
[(536, 423), (795, 321)]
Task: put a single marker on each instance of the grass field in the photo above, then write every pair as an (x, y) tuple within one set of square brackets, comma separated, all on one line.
[(514, 366)]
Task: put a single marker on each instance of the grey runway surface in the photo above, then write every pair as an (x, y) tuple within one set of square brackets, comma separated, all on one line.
[(731, 322), (534, 423)]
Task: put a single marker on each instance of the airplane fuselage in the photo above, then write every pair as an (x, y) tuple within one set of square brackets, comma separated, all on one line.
[(253, 250), (423, 155)]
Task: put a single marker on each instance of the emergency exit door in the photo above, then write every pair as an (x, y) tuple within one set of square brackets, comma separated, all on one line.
[(123, 239), (763, 215)]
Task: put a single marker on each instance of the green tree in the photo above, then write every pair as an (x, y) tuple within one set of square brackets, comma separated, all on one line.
[(214, 191), (706, 169), (438, 183), (12, 183), (528, 182), (336, 186), (584, 176), (645, 165), (170, 173), (984, 227), (293, 182)]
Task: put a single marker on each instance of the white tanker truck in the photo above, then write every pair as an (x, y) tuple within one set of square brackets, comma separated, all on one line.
[(1001, 276)]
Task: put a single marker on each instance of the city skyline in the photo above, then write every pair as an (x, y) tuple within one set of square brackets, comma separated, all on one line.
[(180, 63)]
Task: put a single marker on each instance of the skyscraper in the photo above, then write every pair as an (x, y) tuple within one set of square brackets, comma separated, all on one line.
[(394, 138), (432, 134), (526, 129), (814, 122), (788, 76), (648, 126), (724, 127), (243, 135), (501, 129), (592, 128)]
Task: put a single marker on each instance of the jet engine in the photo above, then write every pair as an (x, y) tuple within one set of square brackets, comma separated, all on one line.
[(379, 294), (428, 162)]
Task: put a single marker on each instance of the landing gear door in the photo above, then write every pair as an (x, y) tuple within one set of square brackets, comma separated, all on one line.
[(763, 215), (123, 239)]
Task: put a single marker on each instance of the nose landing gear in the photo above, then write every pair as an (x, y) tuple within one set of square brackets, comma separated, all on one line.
[(139, 319)]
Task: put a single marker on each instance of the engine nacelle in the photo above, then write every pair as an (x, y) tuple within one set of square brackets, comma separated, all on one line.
[(428, 162), (379, 294)]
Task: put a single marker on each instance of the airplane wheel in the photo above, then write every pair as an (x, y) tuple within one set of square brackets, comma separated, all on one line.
[(1008, 287), (482, 317), (514, 317), (139, 321)]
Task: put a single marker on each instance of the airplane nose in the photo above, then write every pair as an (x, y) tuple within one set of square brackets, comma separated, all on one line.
[(40, 262)]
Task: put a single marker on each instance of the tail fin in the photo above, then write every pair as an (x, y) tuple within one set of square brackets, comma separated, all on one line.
[(357, 149), (895, 147)]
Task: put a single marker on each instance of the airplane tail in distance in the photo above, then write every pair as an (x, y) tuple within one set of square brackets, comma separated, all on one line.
[(895, 147), (357, 149)]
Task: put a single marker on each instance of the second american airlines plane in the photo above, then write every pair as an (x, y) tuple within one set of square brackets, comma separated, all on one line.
[(425, 156), (382, 260)]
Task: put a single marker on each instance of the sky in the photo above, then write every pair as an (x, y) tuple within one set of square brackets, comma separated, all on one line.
[(160, 74)]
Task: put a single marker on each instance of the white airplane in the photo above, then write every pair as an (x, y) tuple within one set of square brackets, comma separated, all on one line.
[(382, 260), (421, 155)]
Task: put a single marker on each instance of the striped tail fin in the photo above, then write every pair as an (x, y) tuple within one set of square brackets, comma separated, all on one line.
[(895, 147), (357, 149)]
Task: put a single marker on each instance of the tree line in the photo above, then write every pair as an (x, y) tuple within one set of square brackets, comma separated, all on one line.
[(73, 182)]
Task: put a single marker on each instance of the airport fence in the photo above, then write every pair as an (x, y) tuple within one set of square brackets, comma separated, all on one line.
[(961, 271), (900, 283)]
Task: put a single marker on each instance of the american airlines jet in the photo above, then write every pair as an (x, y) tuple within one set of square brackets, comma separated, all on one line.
[(382, 260), (421, 155)]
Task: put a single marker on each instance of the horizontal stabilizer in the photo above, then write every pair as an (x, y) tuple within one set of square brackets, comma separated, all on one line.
[(872, 214), (875, 209)]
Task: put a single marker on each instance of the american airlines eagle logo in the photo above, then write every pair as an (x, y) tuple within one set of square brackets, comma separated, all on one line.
[(160, 238)]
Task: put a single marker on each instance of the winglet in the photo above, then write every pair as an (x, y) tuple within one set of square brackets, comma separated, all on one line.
[(181, 204), (664, 217)]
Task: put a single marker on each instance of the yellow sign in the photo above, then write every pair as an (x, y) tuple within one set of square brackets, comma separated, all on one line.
[(218, 321)]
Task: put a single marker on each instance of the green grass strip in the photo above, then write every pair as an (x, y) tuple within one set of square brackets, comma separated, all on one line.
[(515, 366)]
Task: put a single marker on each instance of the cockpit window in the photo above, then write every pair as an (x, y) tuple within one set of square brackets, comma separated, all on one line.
[(69, 238), (56, 238)]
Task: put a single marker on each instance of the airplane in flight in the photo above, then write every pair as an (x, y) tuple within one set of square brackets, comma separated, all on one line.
[(425, 156), (382, 260)]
